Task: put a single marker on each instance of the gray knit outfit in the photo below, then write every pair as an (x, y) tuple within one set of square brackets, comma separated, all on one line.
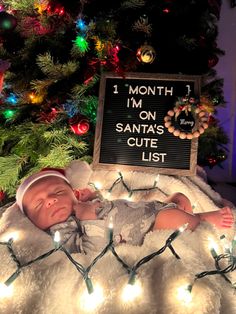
[(131, 222)]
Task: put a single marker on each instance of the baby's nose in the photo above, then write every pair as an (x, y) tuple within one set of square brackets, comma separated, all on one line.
[(51, 201)]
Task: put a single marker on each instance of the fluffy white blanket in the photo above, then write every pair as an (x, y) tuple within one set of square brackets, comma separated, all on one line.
[(53, 285)]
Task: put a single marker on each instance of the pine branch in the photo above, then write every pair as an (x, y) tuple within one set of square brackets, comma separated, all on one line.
[(132, 4), (80, 89), (55, 70), (10, 168), (59, 156), (24, 5), (41, 86)]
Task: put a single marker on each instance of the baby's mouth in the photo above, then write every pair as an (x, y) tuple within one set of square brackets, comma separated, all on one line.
[(56, 211)]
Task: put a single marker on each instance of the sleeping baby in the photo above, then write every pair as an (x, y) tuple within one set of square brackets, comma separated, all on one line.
[(49, 201)]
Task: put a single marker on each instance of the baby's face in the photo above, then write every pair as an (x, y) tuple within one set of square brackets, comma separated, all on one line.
[(49, 201)]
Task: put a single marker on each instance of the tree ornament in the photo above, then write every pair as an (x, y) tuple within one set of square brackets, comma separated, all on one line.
[(8, 22), (81, 127), (189, 117), (186, 121), (212, 161), (2, 195), (146, 54), (212, 61)]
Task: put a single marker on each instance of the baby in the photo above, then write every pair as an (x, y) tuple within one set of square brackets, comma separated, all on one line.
[(49, 201)]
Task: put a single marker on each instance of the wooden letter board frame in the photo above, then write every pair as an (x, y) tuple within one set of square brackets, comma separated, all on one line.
[(111, 151)]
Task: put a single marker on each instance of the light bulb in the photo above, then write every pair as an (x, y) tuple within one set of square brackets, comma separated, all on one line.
[(6, 291), (90, 301), (213, 247), (98, 185), (156, 180), (183, 227), (57, 239), (184, 294), (110, 229), (132, 291), (14, 235)]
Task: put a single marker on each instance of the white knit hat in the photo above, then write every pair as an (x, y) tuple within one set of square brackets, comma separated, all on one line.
[(24, 186)]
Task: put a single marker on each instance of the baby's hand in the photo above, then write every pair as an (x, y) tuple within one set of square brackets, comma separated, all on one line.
[(85, 195), (86, 210)]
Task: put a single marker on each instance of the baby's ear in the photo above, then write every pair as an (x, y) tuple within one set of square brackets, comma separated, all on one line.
[(78, 173)]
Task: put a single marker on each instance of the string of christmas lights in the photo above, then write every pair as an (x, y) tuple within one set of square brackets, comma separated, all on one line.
[(131, 270), (130, 191)]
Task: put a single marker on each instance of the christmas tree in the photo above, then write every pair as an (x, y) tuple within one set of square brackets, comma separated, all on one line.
[(52, 54)]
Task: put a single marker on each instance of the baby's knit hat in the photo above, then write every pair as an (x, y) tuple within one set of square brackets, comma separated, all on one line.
[(24, 186)]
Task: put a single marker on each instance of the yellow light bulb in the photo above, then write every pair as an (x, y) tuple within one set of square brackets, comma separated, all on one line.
[(91, 301), (57, 236), (14, 235), (98, 185), (184, 294), (213, 247), (132, 291), (6, 291)]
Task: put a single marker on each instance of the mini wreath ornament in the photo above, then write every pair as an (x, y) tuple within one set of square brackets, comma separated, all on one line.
[(189, 117)]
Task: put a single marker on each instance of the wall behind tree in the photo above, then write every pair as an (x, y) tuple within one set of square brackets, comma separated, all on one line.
[(226, 69)]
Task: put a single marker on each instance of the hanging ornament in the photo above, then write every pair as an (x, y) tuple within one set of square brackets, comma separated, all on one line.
[(2, 195), (212, 161), (188, 119), (146, 54), (80, 127), (8, 22), (212, 61)]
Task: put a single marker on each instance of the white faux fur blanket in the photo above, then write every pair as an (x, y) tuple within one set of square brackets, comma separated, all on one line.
[(53, 285)]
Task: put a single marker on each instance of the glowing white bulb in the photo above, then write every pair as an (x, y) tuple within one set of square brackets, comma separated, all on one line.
[(212, 244), (6, 291), (98, 185), (128, 197), (156, 179), (132, 291), (57, 237), (213, 247), (183, 227), (90, 301), (14, 235), (184, 294), (110, 226)]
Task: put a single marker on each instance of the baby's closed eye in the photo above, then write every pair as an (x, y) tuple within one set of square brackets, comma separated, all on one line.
[(38, 205)]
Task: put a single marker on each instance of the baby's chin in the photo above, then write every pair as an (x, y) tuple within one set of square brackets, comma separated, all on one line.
[(59, 217)]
